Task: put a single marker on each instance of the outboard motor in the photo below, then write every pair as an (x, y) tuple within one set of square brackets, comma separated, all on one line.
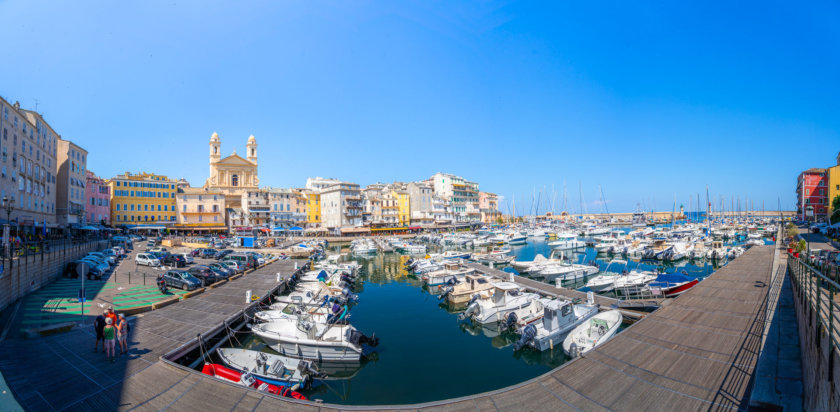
[(473, 298), (310, 369), (446, 291), (360, 339), (574, 350), (509, 321), (528, 335), (472, 307)]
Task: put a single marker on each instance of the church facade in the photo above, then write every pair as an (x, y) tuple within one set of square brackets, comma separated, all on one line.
[(232, 175)]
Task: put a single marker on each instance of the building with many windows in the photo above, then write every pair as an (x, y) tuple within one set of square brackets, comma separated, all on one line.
[(287, 208), (256, 209), (27, 167), (200, 210), (833, 184), (143, 199), (812, 194), (70, 197), (313, 208), (488, 203), (97, 199), (461, 194), (341, 205)]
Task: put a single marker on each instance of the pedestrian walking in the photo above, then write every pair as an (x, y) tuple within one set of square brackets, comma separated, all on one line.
[(110, 335), (98, 327), (122, 334)]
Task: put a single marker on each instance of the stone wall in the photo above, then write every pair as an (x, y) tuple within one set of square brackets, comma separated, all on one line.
[(820, 361), (26, 274)]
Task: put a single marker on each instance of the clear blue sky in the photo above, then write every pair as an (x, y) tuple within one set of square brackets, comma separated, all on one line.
[(647, 100)]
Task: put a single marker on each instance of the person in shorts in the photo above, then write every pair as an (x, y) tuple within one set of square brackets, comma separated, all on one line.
[(122, 334), (110, 335)]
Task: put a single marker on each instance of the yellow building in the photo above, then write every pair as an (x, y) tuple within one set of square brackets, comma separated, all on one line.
[(313, 209), (403, 207), (142, 199), (833, 184)]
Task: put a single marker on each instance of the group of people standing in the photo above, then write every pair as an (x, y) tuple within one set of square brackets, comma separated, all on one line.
[(112, 330)]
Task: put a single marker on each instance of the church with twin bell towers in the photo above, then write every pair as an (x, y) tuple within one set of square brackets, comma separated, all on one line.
[(233, 175)]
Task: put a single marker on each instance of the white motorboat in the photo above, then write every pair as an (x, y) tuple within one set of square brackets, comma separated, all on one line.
[(274, 369), (560, 317), (507, 298), (567, 241), (599, 329), (516, 238), (633, 282), (310, 340), (564, 271), (450, 273)]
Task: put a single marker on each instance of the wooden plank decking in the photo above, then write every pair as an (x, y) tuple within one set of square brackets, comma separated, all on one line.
[(696, 353)]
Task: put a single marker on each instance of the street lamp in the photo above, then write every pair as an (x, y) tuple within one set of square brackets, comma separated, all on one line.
[(7, 206)]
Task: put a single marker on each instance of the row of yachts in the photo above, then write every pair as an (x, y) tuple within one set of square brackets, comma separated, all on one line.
[(541, 322)]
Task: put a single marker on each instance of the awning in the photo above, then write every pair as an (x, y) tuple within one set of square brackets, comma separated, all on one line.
[(277, 229), (264, 229), (295, 228), (89, 228), (355, 230)]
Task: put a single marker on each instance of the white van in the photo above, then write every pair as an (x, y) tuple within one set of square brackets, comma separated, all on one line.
[(146, 260)]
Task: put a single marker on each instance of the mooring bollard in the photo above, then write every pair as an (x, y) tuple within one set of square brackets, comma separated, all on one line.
[(248, 296), (278, 277), (129, 278)]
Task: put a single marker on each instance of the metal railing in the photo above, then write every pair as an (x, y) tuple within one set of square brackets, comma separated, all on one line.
[(817, 292)]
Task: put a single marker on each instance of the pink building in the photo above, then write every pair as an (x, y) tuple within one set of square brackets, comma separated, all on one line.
[(97, 200)]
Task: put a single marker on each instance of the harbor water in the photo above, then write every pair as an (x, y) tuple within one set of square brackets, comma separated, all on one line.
[(426, 353)]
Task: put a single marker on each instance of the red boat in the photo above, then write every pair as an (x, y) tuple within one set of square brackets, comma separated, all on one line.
[(248, 380), (673, 284)]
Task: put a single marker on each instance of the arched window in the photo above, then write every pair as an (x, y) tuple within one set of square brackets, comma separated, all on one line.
[(252, 152), (234, 181), (215, 150)]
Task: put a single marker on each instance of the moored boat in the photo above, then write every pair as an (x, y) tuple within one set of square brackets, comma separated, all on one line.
[(597, 330)]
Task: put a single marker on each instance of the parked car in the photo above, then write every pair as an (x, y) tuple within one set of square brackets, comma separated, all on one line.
[(159, 249), (111, 260), (98, 257), (146, 259), (91, 273), (234, 265), (257, 257), (111, 255), (181, 279), (221, 273), (173, 259), (246, 260), (188, 257), (96, 265), (208, 253), (151, 243), (222, 268), (222, 253), (205, 274)]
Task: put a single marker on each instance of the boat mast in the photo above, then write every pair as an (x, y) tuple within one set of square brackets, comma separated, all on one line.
[(708, 211)]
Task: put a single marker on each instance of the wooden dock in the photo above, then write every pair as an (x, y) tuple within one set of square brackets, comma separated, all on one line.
[(696, 353), (569, 294)]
